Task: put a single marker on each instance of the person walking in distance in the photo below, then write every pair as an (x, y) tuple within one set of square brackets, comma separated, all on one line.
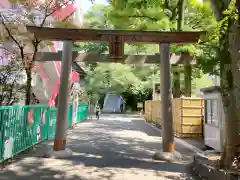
[(97, 110), (121, 107)]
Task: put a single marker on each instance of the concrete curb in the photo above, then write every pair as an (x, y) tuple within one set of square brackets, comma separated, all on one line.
[(179, 141)]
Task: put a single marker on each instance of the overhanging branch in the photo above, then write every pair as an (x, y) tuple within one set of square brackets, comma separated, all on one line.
[(9, 32), (53, 11), (144, 17)]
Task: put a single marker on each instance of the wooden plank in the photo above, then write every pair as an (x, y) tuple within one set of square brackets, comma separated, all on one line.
[(94, 35), (177, 115), (156, 111), (191, 116), (148, 111), (104, 58), (188, 117), (196, 120), (194, 129), (189, 135), (187, 111), (192, 102)]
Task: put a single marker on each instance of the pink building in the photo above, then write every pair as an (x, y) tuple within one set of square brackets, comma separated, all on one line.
[(5, 4), (45, 82)]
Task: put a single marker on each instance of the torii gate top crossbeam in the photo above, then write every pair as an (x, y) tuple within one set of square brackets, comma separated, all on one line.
[(94, 35)]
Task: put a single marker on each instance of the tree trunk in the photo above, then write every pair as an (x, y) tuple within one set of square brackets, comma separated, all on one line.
[(234, 49), (29, 62), (228, 88), (180, 20), (229, 70), (229, 152), (28, 88)]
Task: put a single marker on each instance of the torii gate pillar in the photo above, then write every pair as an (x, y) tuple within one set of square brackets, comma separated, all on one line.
[(59, 147), (62, 107), (166, 99), (168, 152)]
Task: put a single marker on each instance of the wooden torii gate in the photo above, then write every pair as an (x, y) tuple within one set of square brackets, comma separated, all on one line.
[(92, 57), (115, 40), (177, 62)]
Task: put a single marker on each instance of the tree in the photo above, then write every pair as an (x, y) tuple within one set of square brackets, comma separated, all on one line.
[(94, 19), (125, 18), (133, 79), (217, 53), (227, 15), (11, 88), (221, 47), (26, 45), (163, 16)]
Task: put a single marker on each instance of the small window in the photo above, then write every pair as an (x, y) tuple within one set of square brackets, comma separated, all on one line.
[(214, 104), (208, 112), (211, 112)]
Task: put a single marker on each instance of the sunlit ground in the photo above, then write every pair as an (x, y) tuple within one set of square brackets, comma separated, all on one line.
[(117, 147)]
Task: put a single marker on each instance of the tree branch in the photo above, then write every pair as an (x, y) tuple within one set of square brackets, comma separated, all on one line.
[(54, 10), (46, 15), (9, 32), (180, 19), (166, 4), (143, 16), (195, 23), (173, 10)]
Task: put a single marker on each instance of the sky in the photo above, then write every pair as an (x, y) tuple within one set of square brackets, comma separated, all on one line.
[(86, 4)]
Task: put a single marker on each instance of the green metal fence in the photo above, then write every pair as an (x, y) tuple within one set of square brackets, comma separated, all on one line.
[(69, 117), (52, 118), (24, 126), (82, 112)]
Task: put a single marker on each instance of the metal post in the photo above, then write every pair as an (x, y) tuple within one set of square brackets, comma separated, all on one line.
[(166, 98), (62, 107)]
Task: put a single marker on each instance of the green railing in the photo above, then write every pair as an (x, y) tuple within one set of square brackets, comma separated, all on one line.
[(52, 118), (24, 126), (82, 112)]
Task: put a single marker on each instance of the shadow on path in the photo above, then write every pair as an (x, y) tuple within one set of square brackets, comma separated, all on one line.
[(115, 147)]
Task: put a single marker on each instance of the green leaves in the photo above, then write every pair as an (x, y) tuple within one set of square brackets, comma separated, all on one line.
[(91, 47), (95, 17), (138, 17), (148, 15), (199, 16), (189, 48), (120, 78)]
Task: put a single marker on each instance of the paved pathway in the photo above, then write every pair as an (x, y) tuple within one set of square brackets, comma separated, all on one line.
[(117, 147)]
